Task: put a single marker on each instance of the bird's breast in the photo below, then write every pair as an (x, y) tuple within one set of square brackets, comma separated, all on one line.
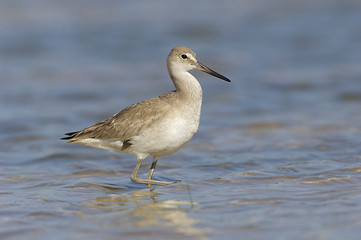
[(168, 134)]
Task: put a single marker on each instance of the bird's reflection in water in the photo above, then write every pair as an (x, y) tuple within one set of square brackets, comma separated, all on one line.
[(146, 211)]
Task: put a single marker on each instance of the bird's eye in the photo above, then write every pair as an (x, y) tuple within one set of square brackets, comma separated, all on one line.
[(184, 56)]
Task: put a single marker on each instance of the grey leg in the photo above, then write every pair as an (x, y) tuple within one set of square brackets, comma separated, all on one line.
[(134, 176), (147, 181), (151, 170)]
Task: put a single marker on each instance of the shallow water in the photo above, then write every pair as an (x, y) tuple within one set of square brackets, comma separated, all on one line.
[(277, 154)]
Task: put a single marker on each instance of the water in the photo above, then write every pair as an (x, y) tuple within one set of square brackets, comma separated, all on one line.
[(278, 152)]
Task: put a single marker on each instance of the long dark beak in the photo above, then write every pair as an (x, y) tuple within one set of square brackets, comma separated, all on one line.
[(206, 69)]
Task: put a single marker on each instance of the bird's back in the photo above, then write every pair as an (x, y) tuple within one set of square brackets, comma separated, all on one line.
[(128, 122), (155, 117)]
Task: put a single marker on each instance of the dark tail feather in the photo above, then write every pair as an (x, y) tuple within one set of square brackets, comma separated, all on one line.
[(70, 134)]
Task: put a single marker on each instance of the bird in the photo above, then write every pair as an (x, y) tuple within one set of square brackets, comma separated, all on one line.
[(157, 126)]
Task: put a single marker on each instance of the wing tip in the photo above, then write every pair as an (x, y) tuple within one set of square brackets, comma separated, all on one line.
[(70, 135)]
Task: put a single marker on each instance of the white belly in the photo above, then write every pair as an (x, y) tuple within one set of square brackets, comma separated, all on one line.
[(163, 138), (166, 137)]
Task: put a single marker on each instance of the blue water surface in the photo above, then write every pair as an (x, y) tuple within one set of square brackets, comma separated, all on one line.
[(278, 151)]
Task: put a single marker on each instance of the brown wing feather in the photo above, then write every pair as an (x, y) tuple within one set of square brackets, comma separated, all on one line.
[(128, 122)]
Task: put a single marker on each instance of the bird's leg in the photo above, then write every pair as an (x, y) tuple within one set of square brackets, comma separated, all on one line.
[(134, 176), (149, 180), (151, 170)]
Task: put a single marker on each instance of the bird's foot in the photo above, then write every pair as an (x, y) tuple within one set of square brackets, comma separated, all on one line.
[(148, 182)]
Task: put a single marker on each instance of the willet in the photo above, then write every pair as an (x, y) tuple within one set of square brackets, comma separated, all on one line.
[(157, 126)]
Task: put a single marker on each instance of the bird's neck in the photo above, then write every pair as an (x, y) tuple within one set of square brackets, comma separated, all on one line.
[(187, 86)]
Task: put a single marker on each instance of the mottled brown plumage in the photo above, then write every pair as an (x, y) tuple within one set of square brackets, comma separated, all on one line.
[(128, 122)]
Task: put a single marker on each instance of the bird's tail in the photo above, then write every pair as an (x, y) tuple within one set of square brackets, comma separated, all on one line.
[(70, 135)]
